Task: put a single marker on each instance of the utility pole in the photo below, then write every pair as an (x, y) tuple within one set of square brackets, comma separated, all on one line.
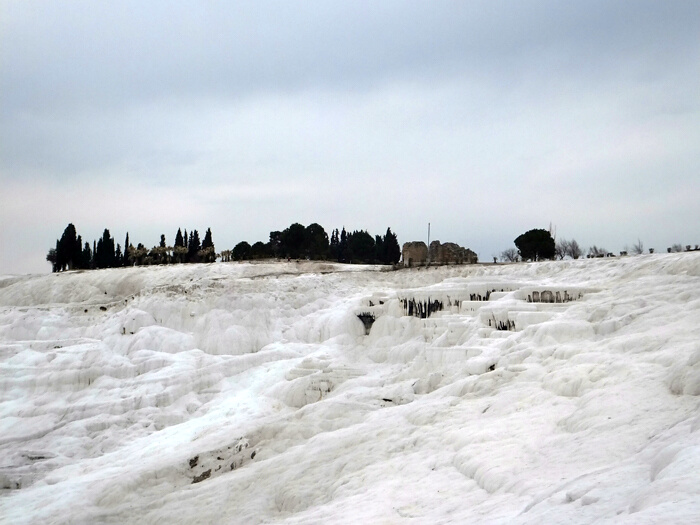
[(428, 244)]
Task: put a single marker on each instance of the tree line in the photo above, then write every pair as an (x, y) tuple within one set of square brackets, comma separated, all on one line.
[(312, 242), (539, 244), (70, 253), (295, 242)]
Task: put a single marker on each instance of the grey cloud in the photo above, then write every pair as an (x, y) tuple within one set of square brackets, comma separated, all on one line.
[(484, 117)]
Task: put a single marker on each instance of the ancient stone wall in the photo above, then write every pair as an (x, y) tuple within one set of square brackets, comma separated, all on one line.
[(414, 253), (451, 253)]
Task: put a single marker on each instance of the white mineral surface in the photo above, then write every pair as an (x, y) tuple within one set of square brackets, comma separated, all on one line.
[(250, 393)]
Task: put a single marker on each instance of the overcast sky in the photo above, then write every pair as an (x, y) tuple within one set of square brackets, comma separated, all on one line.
[(485, 119)]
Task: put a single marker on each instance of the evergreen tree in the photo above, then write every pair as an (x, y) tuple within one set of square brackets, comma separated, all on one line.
[(260, 250), (178, 239), (294, 242), (361, 247), (343, 248), (379, 251), (185, 239), (208, 250), (162, 241), (99, 254), (207, 242), (536, 245), (391, 248), (333, 248), (68, 250), (52, 257), (344, 254), (193, 247), (316, 242), (118, 256), (138, 255), (275, 244), (241, 251), (105, 253), (87, 256), (125, 257)]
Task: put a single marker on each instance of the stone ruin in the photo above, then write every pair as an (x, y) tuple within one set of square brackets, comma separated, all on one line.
[(451, 253), (416, 253)]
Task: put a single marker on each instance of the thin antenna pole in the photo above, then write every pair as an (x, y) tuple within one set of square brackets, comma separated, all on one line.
[(428, 243)]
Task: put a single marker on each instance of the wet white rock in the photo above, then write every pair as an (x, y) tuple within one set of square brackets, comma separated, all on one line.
[(501, 405)]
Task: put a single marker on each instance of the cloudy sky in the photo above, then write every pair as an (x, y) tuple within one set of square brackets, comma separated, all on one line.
[(485, 119)]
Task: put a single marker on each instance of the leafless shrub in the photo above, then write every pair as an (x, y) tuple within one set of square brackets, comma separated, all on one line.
[(574, 250), (510, 255), (638, 248), (561, 248)]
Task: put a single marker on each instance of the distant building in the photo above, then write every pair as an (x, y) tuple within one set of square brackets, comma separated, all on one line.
[(451, 253), (416, 253)]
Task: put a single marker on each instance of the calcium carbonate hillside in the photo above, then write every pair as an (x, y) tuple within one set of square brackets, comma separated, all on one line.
[(555, 392)]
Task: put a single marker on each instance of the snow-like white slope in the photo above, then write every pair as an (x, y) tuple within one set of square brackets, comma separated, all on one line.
[(239, 393)]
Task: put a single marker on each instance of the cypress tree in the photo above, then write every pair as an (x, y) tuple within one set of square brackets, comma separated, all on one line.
[(193, 247), (343, 246), (118, 256), (379, 250), (87, 256), (68, 251), (333, 246), (392, 250), (178, 239), (105, 252), (208, 250), (207, 242), (125, 257)]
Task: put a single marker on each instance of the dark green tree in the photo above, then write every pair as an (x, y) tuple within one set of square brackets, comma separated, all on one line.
[(344, 254), (390, 248), (379, 254), (536, 245), (52, 257), (179, 250), (361, 246), (334, 246), (193, 247), (105, 252), (207, 242), (178, 239), (68, 251), (86, 258), (241, 251), (260, 250), (294, 242), (208, 252), (317, 242), (125, 256), (275, 244)]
